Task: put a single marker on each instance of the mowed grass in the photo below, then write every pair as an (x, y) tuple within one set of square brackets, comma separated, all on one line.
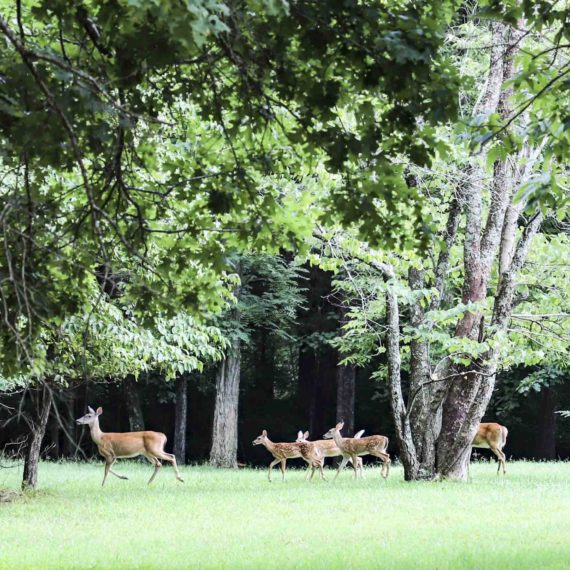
[(236, 519)]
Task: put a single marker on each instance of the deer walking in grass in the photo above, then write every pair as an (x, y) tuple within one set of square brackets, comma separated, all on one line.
[(280, 451), (312, 454), (328, 448), (113, 446), (493, 436), (353, 448)]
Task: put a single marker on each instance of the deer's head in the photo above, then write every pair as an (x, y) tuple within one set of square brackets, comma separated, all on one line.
[(331, 432), (301, 437), (261, 439), (90, 417)]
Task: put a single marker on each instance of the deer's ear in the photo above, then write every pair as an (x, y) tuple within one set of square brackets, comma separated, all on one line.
[(264, 433), (90, 410), (306, 435), (99, 410), (339, 426), (299, 434)]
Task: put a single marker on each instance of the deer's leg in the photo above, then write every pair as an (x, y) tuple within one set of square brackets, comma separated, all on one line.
[(157, 465), (321, 465), (502, 459), (354, 459), (341, 466), (171, 459), (109, 460), (313, 467), (360, 466), (385, 462), (282, 467), (271, 465), (116, 474)]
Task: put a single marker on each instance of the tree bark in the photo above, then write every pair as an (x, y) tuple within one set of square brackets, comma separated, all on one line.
[(424, 422), (181, 419), (38, 429), (403, 430), (132, 400), (546, 437), (225, 428)]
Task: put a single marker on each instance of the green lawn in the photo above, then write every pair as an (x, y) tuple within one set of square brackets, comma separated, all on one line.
[(236, 519)]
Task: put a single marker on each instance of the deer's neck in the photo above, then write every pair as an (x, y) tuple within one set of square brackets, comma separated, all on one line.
[(96, 432), (338, 439), (269, 445)]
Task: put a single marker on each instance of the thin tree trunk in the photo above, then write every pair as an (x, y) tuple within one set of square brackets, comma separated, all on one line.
[(32, 457), (317, 424), (546, 437), (132, 400), (403, 430), (181, 419), (54, 448), (423, 420), (69, 447), (225, 429), (345, 391)]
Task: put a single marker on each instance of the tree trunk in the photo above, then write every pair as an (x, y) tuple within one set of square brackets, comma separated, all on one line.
[(181, 419), (469, 388), (402, 427), (32, 458), (69, 447), (225, 429), (130, 390), (317, 419), (345, 389), (546, 437), (54, 447), (464, 406)]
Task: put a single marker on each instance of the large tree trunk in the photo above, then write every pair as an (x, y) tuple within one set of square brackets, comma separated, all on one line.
[(225, 429), (546, 436), (181, 419), (132, 400), (470, 387), (38, 429), (345, 391)]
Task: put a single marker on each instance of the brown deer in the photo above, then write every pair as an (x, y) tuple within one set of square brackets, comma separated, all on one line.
[(311, 453), (280, 451), (493, 436), (352, 448), (328, 447), (113, 446)]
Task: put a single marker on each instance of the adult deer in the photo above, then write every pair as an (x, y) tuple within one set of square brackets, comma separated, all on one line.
[(352, 448), (280, 451), (328, 447), (493, 436), (113, 446)]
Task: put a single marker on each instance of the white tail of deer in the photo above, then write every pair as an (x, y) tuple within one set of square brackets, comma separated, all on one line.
[(352, 448), (493, 436), (113, 446)]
